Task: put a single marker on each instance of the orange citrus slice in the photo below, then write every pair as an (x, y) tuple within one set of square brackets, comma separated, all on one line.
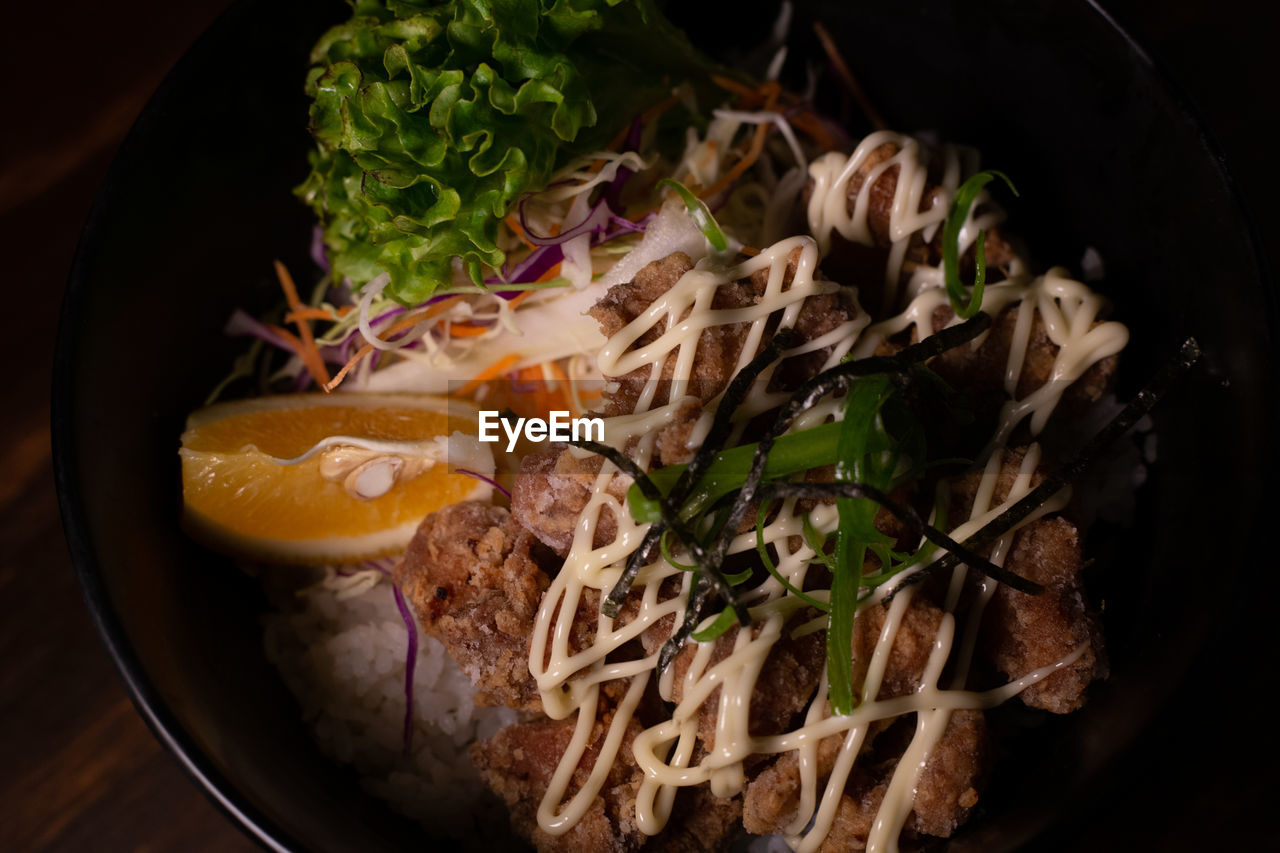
[(318, 478)]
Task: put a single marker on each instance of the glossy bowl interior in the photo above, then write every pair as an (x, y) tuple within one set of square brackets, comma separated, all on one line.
[(198, 204)]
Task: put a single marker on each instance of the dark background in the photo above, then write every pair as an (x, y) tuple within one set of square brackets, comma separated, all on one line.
[(78, 768)]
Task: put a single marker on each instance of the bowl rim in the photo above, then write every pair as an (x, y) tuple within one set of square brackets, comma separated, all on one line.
[(146, 698), (144, 695)]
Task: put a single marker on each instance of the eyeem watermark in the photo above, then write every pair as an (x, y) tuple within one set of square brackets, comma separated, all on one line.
[(559, 426)]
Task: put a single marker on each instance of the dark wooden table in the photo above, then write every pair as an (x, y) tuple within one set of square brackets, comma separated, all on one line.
[(78, 768)]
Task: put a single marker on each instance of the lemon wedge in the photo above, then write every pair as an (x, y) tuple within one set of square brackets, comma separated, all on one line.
[(316, 478)]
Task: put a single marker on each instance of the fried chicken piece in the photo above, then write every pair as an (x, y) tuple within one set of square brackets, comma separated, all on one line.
[(475, 579), (1024, 632), (909, 654), (719, 347), (518, 762), (787, 680), (854, 262), (980, 373), (772, 800), (880, 199), (946, 791), (554, 485)]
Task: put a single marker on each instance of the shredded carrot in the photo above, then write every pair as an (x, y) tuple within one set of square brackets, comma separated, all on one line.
[(318, 314), (749, 250), (514, 224), (812, 125), (532, 373), (557, 372), (416, 317), (515, 301), (405, 322), (748, 159), (289, 337), (493, 371), (734, 86), (548, 275), (466, 330), (307, 349), (771, 90), (621, 137), (660, 108), (846, 76)]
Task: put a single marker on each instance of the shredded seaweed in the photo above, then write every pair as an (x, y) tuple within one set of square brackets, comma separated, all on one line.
[(721, 427), (916, 525), (708, 570), (832, 380), (1165, 379)]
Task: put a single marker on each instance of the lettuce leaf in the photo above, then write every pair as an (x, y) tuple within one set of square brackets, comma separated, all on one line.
[(431, 119)]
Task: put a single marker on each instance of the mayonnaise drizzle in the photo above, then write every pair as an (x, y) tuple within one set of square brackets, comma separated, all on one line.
[(829, 209), (569, 679)]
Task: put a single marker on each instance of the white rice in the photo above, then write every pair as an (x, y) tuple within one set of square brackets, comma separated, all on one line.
[(340, 646)]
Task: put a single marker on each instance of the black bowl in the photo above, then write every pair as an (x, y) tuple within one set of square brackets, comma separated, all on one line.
[(1105, 154)]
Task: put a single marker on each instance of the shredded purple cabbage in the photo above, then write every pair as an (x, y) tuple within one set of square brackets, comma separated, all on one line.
[(613, 193), (480, 476), (410, 664), (318, 252), (244, 325), (534, 264)]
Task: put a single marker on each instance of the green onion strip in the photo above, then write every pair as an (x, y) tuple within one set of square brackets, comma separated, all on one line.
[(699, 213), (964, 198), (855, 463)]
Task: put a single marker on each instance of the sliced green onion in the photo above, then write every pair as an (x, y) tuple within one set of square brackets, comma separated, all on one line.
[(763, 550), (723, 622), (666, 554), (816, 543), (701, 215), (965, 195), (861, 417), (790, 454)]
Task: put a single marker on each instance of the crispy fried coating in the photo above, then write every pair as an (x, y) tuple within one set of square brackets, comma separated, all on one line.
[(1024, 632), (787, 680), (554, 485), (473, 578), (910, 651), (980, 373), (552, 488), (518, 763), (719, 347), (851, 262), (880, 200), (946, 791), (701, 822)]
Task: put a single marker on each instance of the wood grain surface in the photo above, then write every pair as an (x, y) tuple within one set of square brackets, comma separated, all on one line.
[(78, 768)]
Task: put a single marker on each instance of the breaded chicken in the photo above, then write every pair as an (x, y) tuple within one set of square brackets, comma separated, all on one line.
[(1023, 632), (475, 579)]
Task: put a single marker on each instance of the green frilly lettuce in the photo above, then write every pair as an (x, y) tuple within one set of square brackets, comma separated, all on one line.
[(432, 119)]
